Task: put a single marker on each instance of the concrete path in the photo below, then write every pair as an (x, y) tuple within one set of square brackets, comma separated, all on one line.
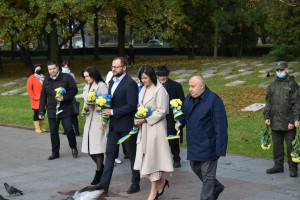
[(24, 164)]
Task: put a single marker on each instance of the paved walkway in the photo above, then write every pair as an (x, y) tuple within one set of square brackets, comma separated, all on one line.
[(24, 164)]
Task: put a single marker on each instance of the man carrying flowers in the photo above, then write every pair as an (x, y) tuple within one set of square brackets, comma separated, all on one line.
[(281, 113), (60, 89)]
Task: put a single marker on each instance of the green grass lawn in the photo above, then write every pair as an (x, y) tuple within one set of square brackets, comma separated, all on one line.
[(243, 129)]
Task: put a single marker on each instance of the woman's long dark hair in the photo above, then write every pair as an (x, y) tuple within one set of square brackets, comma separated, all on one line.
[(93, 73), (149, 71)]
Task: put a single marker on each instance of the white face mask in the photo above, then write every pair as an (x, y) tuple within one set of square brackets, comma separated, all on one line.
[(67, 71)]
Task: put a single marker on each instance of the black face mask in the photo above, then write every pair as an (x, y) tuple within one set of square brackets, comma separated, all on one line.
[(39, 72)]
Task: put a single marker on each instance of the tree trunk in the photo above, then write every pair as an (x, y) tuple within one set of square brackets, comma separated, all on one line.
[(54, 51), (0, 63), (83, 41), (121, 30), (71, 42), (12, 48), (216, 40), (48, 46), (25, 56), (96, 34)]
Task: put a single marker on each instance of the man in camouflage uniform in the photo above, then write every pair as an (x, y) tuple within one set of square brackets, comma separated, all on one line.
[(281, 114)]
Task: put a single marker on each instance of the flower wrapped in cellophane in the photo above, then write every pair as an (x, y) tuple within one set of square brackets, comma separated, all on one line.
[(176, 105), (59, 92), (91, 98), (296, 147), (142, 113), (265, 138), (103, 102)]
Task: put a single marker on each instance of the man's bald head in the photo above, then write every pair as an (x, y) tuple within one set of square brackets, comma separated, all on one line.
[(196, 86)]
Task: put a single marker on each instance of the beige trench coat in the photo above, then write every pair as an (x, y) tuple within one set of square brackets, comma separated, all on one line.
[(153, 152), (94, 141)]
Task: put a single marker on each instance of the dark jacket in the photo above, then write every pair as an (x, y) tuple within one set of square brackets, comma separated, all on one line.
[(175, 91), (282, 103), (63, 80), (206, 126), (124, 104)]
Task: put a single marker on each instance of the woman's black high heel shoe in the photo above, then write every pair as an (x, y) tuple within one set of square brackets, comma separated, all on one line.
[(166, 184)]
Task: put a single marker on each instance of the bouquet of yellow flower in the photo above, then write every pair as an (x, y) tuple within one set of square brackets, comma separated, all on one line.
[(91, 98), (59, 92), (140, 114), (296, 147), (176, 105), (104, 101), (265, 137), (87, 111)]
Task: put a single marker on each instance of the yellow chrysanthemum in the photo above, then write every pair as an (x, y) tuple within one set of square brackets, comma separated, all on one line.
[(265, 147), (142, 111), (101, 101), (297, 160), (91, 96)]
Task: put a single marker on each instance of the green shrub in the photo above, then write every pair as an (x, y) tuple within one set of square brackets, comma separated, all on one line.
[(284, 52)]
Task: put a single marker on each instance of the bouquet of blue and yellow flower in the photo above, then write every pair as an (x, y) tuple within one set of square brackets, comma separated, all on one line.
[(265, 138), (59, 92), (142, 113), (90, 100), (103, 102), (176, 105), (296, 147)]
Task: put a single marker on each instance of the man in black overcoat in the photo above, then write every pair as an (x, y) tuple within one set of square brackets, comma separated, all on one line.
[(175, 91)]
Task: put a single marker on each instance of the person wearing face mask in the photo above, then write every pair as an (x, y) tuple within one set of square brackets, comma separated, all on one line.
[(281, 114), (34, 88), (65, 68)]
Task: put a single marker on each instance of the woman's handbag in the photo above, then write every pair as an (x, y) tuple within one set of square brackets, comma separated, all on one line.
[(75, 107)]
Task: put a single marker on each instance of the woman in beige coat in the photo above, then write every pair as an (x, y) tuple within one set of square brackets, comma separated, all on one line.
[(153, 156), (94, 141)]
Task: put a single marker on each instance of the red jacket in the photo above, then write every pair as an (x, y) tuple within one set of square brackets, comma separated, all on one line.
[(34, 88)]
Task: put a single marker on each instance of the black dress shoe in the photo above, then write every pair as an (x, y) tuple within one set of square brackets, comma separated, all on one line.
[(293, 173), (133, 189), (218, 192), (274, 170), (166, 184), (53, 156), (176, 165), (93, 188), (74, 152)]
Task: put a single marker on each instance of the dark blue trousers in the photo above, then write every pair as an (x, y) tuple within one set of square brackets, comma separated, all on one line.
[(110, 153)]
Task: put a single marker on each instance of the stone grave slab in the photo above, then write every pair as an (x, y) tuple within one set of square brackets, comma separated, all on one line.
[(295, 74), (232, 76), (246, 69), (257, 62), (208, 75), (224, 64), (254, 107), (220, 63), (226, 71), (21, 79), (259, 65), (181, 80), (176, 67), (178, 71), (78, 96), (192, 71), (242, 65), (266, 70), (235, 83), (265, 75), (12, 92), (291, 71), (246, 73), (236, 62), (25, 93), (265, 84), (206, 64), (184, 76), (210, 70), (9, 84)]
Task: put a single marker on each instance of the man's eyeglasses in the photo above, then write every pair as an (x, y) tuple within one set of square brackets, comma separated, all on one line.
[(115, 67)]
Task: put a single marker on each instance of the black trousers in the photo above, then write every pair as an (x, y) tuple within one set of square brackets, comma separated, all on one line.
[(175, 150), (35, 114), (68, 129), (278, 138), (110, 153)]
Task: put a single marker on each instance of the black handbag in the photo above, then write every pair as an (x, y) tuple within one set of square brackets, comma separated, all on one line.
[(75, 107)]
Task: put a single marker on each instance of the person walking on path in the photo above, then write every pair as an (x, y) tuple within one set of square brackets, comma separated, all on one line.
[(131, 55), (94, 140), (153, 156), (65, 68), (206, 133), (175, 91), (281, 113), (34, 89), (55, 80), (124, 93)]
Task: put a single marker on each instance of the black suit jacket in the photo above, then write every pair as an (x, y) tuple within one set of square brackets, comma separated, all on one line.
[(175, 91), (124, 104)]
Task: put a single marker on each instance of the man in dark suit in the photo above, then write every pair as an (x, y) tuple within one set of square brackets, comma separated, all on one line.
[(124, 93), (175, 91)]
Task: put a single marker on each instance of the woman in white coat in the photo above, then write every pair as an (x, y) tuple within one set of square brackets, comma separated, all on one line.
[(153, 156), (94, 140)]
